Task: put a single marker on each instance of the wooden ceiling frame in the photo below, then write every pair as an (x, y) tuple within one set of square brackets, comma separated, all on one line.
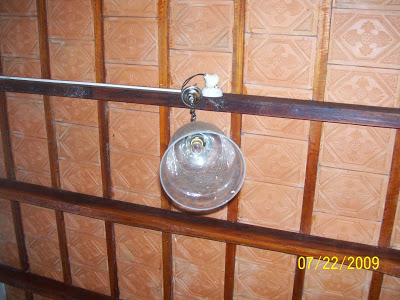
[(172, 222), (294, 243)]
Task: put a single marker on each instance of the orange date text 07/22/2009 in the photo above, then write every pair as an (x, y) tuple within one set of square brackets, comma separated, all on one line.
[(333, 263)]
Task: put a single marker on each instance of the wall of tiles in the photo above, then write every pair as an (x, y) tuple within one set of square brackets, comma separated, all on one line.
[(281, 40)]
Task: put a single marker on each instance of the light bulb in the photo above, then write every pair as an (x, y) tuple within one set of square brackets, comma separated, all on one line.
[(197, 145)]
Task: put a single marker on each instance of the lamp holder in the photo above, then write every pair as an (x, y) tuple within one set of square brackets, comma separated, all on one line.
[(191, 96)]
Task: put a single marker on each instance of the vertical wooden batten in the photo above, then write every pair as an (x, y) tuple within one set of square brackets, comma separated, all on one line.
[(51, 136), (389, 215), (10, 173), (102, 110), (314, 140), (236, 130), (5, 134), (163, 75)]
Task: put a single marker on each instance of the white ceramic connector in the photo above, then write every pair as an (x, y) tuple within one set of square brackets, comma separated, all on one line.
[(211, 89)]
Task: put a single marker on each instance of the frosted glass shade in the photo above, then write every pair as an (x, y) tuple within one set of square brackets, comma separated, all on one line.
[(202, 168)]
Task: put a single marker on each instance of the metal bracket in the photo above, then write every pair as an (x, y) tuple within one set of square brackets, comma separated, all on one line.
[(191, 96)]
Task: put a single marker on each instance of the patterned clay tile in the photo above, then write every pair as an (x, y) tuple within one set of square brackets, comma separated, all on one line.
[(197, 281), (39, 222), (8, 243), (140, 246), (138, 8), (181, 116), (34, 178), (21, 67), (131, 41), (92, 279), (359, 148), (85, 225), (367, 4), (5, 206), (18, 7), (220, 213), (279, 92), (30, 154), (270, 205), (87, 252), (19, 109), (279, 127), (275, 160), (388, 294), (7, 227), (132, 75), (349, 193), (257, 281), (44, 257), (136, 198), (9, 253), (296, 17), (184, 64), (71, 19), (134, 131), (14, 293), (75, 110), (41, 240), (285, 61), (135, 172), (363, 86), (365, 38), (80, 178), (78, 143), (138, 281), (270, 259), (201, 25), (199, 251), (336, 284), (19, 36), (390, 288), (345, 228), (72, 60)]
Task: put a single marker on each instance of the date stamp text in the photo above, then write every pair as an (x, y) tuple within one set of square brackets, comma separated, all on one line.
[(333, 263)]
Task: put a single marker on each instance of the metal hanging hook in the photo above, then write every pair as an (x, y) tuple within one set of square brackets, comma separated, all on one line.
[(191, 96)]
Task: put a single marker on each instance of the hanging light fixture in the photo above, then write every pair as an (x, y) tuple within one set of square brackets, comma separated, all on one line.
[(202, 168)]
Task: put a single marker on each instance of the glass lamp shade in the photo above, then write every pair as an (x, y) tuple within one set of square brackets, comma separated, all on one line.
[(202, 168)]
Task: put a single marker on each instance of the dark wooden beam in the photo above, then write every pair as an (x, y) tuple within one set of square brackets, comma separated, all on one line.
[(46, 287), (233, 103), (196, 226)]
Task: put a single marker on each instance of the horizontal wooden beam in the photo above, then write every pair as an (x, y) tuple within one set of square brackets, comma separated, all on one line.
[(192, 225), (46, 287), (233, 103)]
